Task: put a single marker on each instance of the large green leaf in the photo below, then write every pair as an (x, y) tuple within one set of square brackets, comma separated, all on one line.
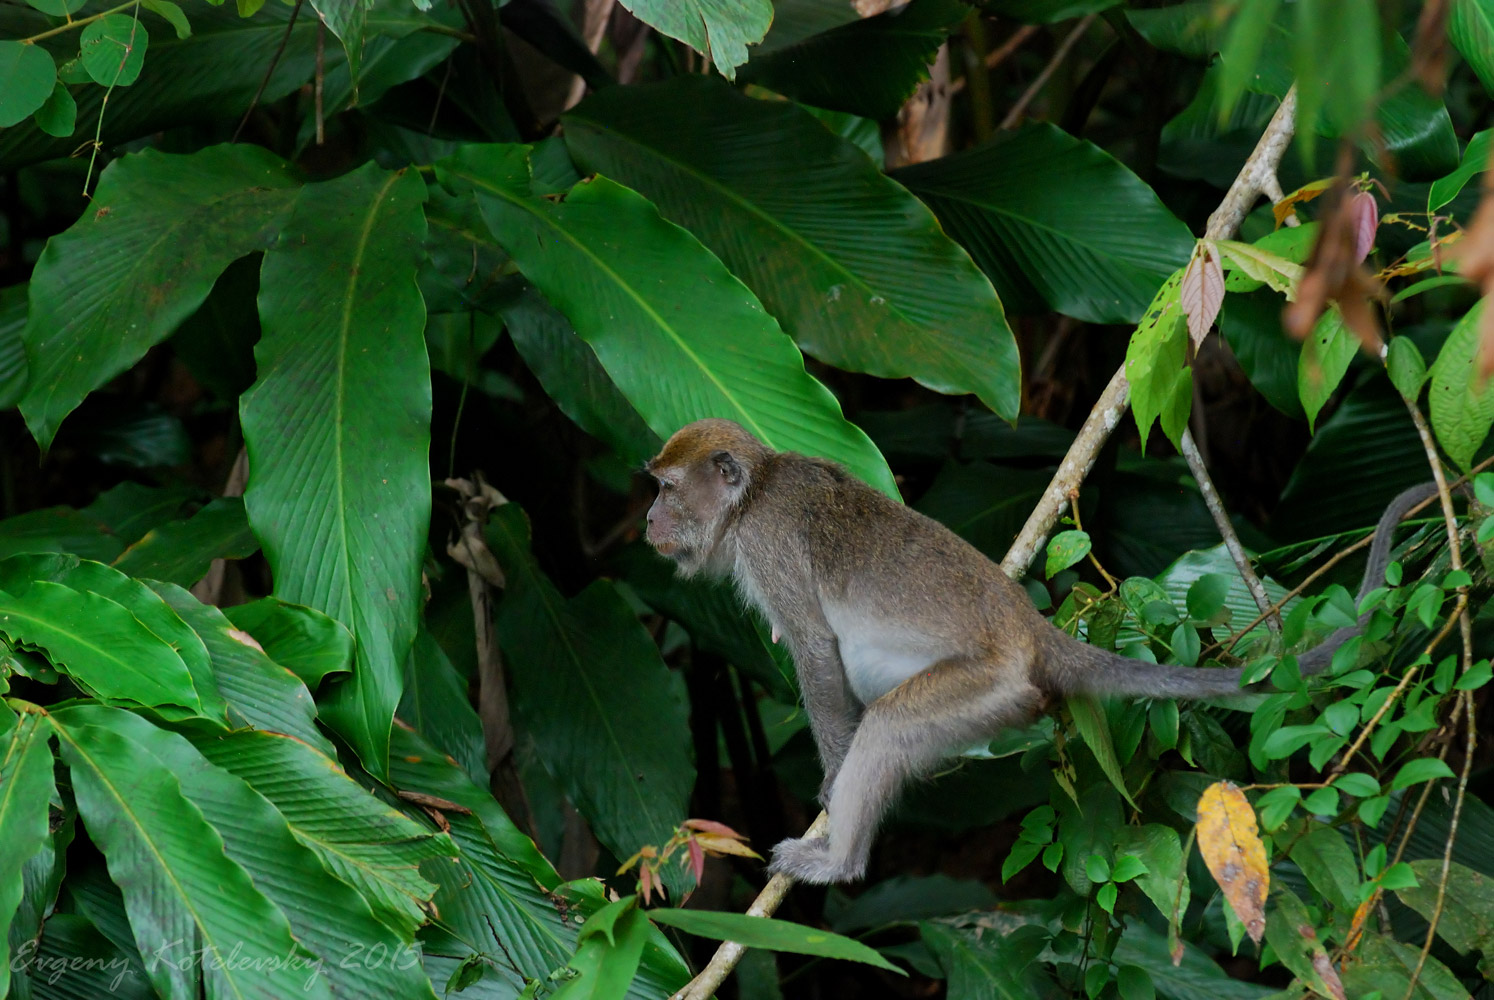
[(301, 639), (26, 791), (18, 572), (338, 427), (190, 904), (591, 691), (327, 917), (977, 966), (181, 551), (762, 932), (720, 29), (1470, 27), (1056, 222), (372, 847), (99, 644), (212, 75), (568, 369), (27, 76), (260, 691), (867, 67), (437, 705), (159, 231), (1461, 402), (680, 336), (855, 268)]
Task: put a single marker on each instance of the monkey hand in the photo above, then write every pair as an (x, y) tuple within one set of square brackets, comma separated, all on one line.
[(809, 860)]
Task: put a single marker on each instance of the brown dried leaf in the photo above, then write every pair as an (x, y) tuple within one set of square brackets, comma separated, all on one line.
[(1230, 844), (1202, 290), (244, 637), (1323, 966), (1361, 917)]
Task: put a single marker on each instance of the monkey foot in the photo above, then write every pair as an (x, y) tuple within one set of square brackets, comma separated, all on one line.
[(807, 860)]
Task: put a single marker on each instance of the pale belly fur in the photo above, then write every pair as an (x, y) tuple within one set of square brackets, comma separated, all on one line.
[(878, 655)]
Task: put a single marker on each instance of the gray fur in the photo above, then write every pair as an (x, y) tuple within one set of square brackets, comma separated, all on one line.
[(874, 597)]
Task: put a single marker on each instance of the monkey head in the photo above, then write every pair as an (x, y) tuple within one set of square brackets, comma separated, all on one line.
[(703, 472)]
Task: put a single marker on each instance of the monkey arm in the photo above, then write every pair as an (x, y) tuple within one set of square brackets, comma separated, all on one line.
[(833, 712)]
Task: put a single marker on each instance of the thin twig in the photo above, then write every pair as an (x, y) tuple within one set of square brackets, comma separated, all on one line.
[(998, 55), (1112, 404), (1015, 114), (1227, 532), (730, 953), (269, 71), (321, 74), (1455, 558)]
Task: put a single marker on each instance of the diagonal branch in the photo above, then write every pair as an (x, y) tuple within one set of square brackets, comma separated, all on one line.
[(1254, 177)]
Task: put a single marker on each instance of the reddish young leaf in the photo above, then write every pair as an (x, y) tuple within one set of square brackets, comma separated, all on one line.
[(1364, 214), (1202, 291), (711, 826), (697, 861)]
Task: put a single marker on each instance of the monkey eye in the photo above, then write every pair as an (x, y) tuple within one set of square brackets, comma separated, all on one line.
[(665, 486)]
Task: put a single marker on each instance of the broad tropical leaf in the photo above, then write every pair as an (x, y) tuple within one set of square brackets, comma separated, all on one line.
[(181, 552), (593, 694), (18, 572), (260, 692), (303, 640), (1094, 245), (680, 336), (855, 268), (186, 897), (100, 645), (142, 259), (720, 29), (370, 846), (337, 429), (26, 791)]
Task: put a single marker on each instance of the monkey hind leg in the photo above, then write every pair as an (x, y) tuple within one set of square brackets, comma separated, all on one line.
[(904, 735)]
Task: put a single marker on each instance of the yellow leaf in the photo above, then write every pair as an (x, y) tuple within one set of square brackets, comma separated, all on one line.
[(725, 845), (1231, 846)]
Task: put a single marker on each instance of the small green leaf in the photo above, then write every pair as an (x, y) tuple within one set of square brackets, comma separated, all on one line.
[(1276, 805), (1186, 644), (1371, 810), (1065, 549), (1022, 854), (1163, 716), (1289, 739), (1417, 771), (1398, 876), (1325, 358), (1406, 367), (1127, 867), (1090, 720), (173, 15), (59, 116), (1486, 531), (1341, 717), (1323, 802), (776, 935), (1460, 402), (113, 50), (1206, 596), (1358, 784), (1106, 898), (1097, 868), (1457, 578), (27, 76), (1477, 676), (1134, 983), (1483, 488)]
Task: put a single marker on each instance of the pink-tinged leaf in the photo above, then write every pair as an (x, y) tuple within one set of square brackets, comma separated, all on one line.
[(1202, 291), (1364, 214), (711, 826), (645, 882), (697, 861), (1323, 965)]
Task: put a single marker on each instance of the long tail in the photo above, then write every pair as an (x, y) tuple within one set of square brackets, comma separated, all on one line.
[(1069, 666)]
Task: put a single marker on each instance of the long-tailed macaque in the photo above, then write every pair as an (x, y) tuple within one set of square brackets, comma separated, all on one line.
[(909, 644)]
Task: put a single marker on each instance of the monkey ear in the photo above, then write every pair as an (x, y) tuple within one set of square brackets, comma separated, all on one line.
[(731, 470)]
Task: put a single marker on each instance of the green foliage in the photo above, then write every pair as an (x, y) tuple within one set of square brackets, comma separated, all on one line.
[(336, 728)]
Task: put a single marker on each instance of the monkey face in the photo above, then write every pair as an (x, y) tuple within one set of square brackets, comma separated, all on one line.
[(702, 472)]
